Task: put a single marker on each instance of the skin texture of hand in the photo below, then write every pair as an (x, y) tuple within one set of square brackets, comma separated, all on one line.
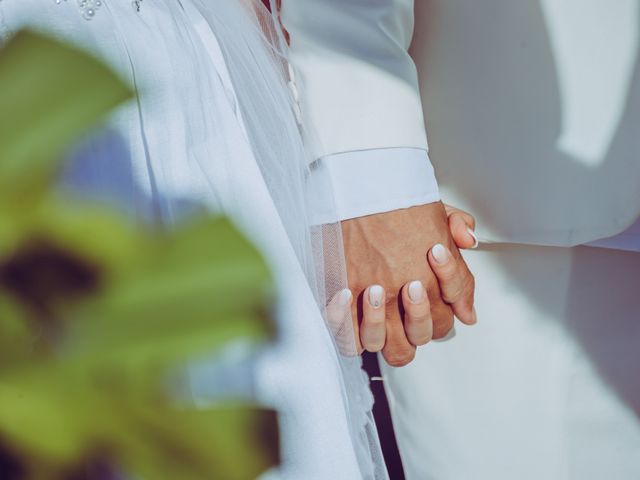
[(407, 291)]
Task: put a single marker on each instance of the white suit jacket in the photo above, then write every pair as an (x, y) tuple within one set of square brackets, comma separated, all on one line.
[(533, 110)]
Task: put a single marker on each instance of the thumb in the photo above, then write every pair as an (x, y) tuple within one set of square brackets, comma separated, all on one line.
[(456, 282), (462, 226)]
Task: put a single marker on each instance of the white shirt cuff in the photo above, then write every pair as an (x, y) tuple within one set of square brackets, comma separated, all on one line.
[(370, 181)]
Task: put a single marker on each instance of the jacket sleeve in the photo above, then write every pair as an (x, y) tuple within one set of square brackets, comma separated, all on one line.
[(358, 85)]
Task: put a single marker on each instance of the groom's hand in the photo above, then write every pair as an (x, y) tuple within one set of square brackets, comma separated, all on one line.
[(391, 249)]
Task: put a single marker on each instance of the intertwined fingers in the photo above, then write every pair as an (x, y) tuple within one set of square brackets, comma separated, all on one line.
[(457, 284), (418, 324), (373, 329), (383, 330), (413, 329)]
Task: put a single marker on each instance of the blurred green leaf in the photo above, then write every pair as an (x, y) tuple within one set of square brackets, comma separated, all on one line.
[(181, 295), (97, 312), (89, 379), (49, 94), (153, 439), (16, 338), (158, 297)]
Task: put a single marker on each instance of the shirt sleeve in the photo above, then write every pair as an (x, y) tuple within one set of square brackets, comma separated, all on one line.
[(373, 181)]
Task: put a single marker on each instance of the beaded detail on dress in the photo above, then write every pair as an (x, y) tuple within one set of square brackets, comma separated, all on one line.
[(89, 8)]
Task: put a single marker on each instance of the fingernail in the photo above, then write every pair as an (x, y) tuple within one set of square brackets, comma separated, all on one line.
[(345, 297), (475, 238), (416, 292), (474, 316), (440, 253), (376, 295)]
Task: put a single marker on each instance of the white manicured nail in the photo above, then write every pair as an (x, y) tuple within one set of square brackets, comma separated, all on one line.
[(416, 291), (344, 297), (475, 238), (376, 296), (440, 253)]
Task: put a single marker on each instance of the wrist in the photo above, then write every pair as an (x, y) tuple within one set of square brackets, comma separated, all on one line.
[(358, 184)]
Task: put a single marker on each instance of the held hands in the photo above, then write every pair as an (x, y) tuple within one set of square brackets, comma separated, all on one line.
[(409, 278)]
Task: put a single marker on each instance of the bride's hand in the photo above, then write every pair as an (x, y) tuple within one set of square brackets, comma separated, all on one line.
[(417, 321)]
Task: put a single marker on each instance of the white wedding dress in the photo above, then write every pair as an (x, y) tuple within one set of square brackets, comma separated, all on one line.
[(214, 124)]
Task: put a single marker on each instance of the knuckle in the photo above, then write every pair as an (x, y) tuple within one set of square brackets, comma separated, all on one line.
[(374, 321), (471, 284), (423, 339), (469, 281), (420, 318), (447, 273), (467, 291), (452, 294), (460, 284), (400, 357)]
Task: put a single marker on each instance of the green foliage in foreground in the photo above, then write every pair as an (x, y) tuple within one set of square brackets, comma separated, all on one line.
[(96, 312)]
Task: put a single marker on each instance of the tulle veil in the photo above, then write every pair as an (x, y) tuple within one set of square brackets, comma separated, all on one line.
[(266, 85)]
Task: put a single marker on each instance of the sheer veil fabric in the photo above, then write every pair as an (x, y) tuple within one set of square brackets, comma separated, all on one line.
[(261, 79), (214, 124)]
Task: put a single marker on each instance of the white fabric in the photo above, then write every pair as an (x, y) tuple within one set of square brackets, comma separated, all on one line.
[(213, 126), (545, 386), (504, 87), (358, 86), (373, 181), (627, 240), (504, 95)]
